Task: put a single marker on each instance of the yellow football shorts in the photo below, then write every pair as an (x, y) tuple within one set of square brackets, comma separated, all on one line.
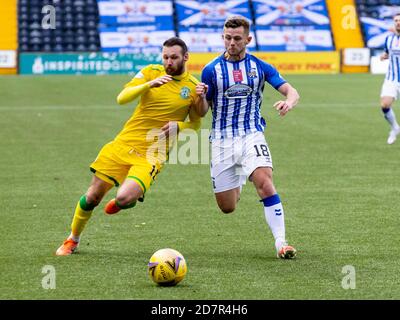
[(117, 162)]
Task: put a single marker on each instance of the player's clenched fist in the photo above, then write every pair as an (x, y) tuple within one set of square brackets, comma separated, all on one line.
[(160, 81), (201, 89)]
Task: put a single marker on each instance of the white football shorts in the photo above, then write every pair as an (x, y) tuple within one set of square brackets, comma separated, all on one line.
[(390, 89), (233, 160)]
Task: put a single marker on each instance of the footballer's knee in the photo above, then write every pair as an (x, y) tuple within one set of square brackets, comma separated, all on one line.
[(129, 193), (227, 200), (227, 207), (386, 102), (96, 191), (125, 199), (93, 199)]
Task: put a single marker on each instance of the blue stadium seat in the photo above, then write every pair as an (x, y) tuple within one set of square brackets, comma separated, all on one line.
[(69, 25), (80, 40), (58, 40), (94, 47), (76, 26), (35, 26), (81, 48), (34, 3), (23, 40), (35, 40), (35, 33), (69, 47), (79, 9), (23, 33), (47, 40), (23, 47), (23, 17), (47, 47), (58, 48), (68, 9), (23, 10)]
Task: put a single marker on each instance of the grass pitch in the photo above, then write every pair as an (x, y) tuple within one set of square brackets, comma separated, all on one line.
[(337, 178)]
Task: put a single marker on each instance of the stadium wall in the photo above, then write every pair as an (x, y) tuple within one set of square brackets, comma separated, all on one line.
[(8, 36)]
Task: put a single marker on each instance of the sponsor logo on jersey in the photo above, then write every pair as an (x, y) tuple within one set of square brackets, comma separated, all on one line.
[(396, 52), (238, 91)]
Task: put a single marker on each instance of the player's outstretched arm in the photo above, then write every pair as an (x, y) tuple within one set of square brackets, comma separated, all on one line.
[(201, 104), (292, 98), (130, 93)]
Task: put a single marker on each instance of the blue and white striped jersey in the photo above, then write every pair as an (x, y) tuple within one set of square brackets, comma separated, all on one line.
[(392, 47), (236, 91)]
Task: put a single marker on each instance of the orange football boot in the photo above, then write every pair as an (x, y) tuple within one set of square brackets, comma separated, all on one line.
[(111, 207), (67, 248)]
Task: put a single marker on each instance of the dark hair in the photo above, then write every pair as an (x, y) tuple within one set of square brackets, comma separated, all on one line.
[(396, 14), (237, 22), (175, 41)]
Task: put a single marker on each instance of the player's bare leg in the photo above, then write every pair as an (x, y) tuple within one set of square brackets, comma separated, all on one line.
[(273, 210), (386, 105), (227, 200), (83, 211), (126, 198)]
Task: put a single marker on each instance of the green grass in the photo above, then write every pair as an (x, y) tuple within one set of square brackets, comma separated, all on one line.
[(337, 177)]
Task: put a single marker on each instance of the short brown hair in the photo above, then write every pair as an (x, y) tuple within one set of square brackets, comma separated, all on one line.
[(175, 41), (237, 22)]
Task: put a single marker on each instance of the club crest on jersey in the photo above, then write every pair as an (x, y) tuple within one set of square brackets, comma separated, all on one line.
[(252, 73), (185, 92), (238, 91)]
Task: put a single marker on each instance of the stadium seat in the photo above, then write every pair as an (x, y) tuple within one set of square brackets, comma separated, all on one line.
[(47, 48), (76, 26), (23, 33), (93, 47), (23, 47), (70, 47), (81, 48), (23, 40), (58, 48), (47, 40)]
